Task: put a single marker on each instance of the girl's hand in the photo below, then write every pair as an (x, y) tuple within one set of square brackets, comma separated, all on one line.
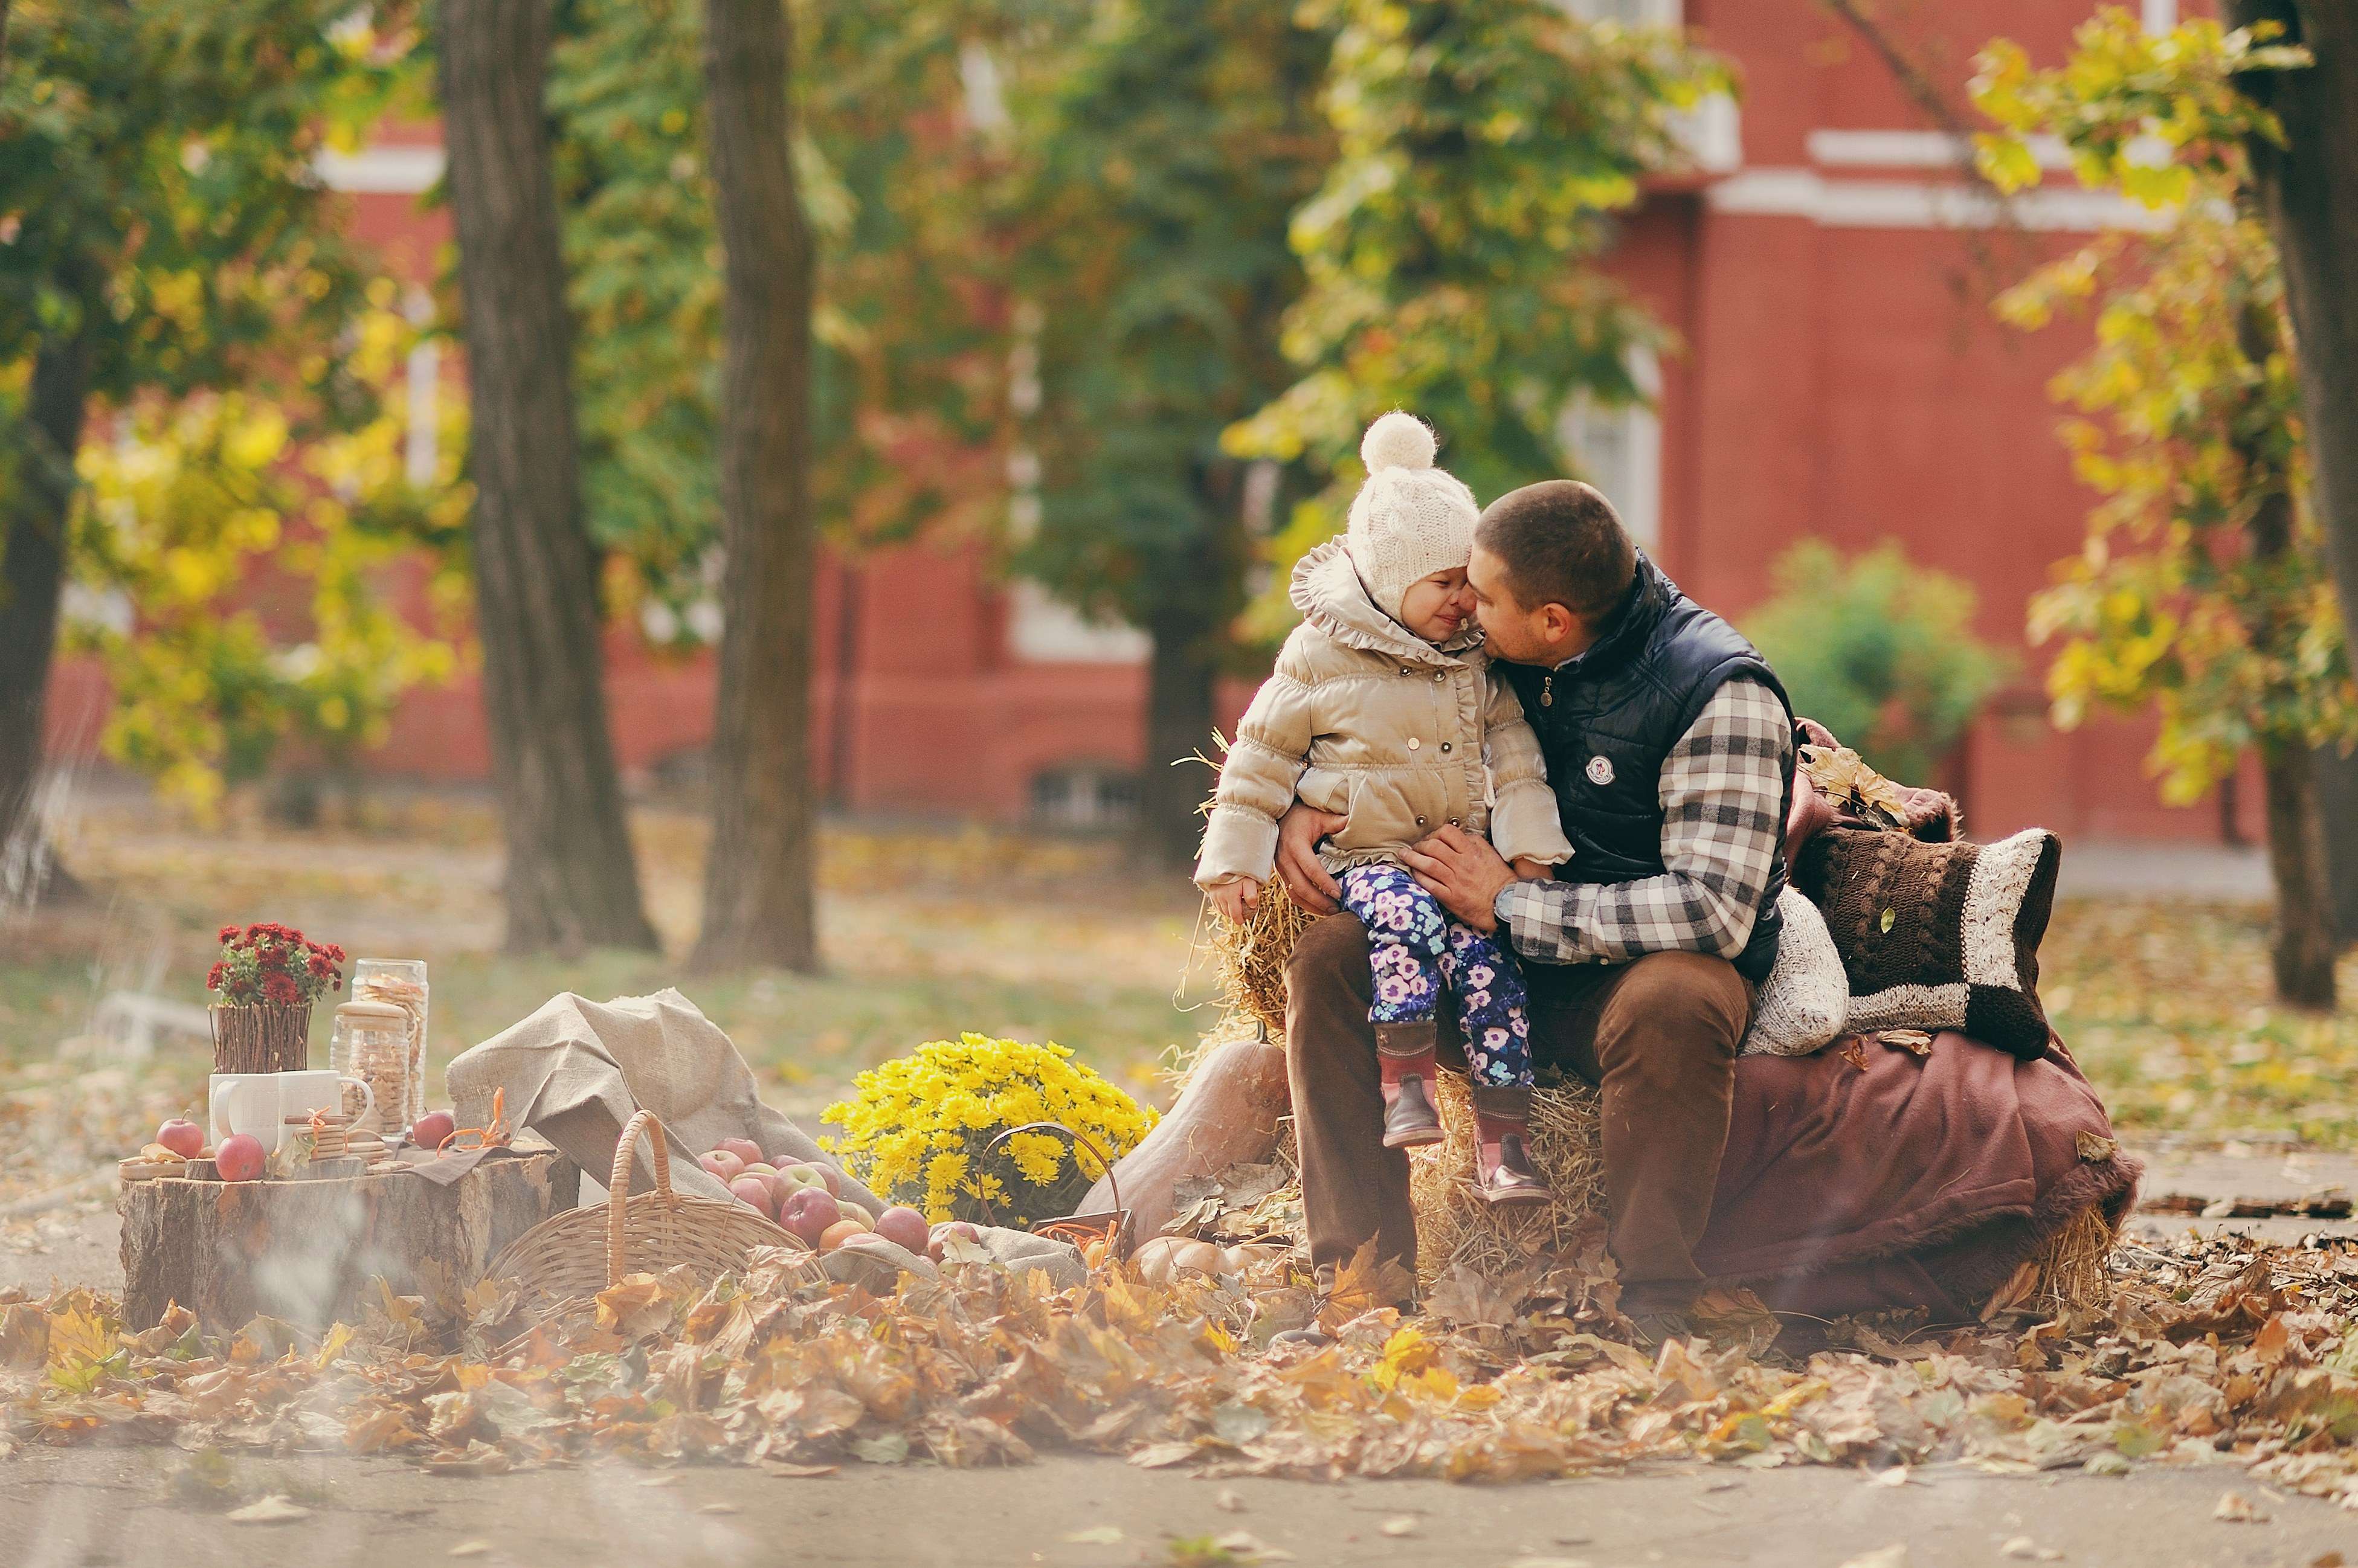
[(1530, 870), (1234, 901)]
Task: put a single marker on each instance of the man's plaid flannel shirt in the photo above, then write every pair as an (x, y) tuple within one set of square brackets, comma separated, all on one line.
[(1723, 793)]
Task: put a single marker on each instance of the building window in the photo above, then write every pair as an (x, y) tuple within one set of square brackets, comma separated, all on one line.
[(1629, 13), (1044, 630), (1617, 447), (1085, 799)]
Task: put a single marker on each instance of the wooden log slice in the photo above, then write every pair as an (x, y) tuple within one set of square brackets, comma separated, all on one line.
[(310, 1251)]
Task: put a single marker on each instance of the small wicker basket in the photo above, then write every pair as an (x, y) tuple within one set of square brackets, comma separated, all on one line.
[(582, 1251)]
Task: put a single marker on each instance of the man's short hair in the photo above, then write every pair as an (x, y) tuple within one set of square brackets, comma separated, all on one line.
[(1561, 542)]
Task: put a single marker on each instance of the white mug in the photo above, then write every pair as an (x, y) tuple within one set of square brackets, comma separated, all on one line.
[(315, 1089), (260, 1103)]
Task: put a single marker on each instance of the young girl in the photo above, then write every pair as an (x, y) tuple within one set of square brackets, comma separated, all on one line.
[(1382, 709)]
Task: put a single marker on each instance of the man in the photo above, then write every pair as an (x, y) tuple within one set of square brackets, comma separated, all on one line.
[(1669, 743)]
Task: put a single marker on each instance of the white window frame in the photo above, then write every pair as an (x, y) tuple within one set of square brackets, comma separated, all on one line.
[(1632, 432)]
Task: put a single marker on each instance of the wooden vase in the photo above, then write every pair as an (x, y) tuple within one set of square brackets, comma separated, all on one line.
[(267, 1037)]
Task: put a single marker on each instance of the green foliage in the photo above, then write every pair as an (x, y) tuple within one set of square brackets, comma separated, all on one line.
[(907, 383), (2201, 591), (159, 207), (1879, 651), (1482, 147), (192, 503), (1163, 156), (155, 183)]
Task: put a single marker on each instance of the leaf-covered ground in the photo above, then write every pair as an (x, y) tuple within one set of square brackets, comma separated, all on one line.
[(2209, 1356)]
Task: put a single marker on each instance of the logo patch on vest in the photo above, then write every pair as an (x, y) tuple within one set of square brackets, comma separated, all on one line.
[(1600, 771)]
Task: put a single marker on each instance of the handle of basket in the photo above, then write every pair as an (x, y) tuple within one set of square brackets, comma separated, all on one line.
[(618, 1189), (1083, 1139)]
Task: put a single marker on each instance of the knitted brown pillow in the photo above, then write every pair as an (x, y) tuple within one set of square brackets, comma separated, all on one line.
[(1938, 935)]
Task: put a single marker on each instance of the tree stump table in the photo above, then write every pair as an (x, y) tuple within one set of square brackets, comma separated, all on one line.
[(310, 1251)]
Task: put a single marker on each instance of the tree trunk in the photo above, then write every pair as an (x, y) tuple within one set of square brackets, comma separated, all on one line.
[(2309, 190), (758, 873), (2305, 944), (2337, 799), (32, 578), (1200, 591), (571, 880), (1180, 681)]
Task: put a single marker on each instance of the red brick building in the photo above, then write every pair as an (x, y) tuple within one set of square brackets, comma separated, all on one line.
[(1827, 275)]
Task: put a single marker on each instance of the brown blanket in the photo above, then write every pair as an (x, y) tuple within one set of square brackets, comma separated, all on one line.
[(1912, 1182)]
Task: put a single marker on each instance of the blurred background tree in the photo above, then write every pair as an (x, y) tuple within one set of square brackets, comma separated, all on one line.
[(1451, 252), (908, 368), (2204, 591), (1161, 160), (191, 502), (570, 878), (1878, 650), (165, 240)]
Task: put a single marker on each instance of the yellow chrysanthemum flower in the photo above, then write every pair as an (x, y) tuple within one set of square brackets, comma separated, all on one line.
[(916, 1128)]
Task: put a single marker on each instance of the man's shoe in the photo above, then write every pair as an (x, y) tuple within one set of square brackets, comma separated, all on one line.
[(1409, 1119), (1504, 1174)]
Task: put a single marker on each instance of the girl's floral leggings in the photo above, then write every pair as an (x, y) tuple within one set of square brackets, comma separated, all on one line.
[(1418, 948)]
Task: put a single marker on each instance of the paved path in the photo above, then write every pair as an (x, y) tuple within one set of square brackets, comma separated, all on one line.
[(2202, 872), (117, 1509)]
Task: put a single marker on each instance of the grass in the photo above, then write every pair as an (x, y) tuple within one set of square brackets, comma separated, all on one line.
[(930, 932), (2168, 1007), (925, 934)]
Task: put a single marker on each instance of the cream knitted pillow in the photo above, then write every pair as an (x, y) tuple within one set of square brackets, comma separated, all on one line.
[(1805, 1000)]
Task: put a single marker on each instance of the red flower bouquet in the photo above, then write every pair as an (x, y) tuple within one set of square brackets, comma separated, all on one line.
[(267, 977), (268, 962)]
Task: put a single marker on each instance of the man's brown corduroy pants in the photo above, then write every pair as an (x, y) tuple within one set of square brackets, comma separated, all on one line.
[(1657, 1036)]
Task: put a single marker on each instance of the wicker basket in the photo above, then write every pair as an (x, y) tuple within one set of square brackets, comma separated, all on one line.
[(585, 1251)]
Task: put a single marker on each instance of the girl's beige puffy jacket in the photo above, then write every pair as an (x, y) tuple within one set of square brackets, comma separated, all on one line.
[(1364, 718)]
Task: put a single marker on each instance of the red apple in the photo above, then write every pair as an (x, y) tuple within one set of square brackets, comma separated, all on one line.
[(781, 1190), (182, 1137), (808, 1213), (745, 1148), (754, 1191), (904, 1226), (805, 1176), (239, 1157), (724, 1164), (432, 1130), (831, 1176)]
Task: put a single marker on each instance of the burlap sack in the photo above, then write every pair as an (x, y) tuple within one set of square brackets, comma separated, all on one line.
[(576, 1070)]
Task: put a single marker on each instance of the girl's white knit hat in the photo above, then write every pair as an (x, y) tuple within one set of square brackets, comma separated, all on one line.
[(1409, 519)]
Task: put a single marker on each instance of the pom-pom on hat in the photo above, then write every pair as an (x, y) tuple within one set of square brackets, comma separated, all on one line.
[(1409, 519)]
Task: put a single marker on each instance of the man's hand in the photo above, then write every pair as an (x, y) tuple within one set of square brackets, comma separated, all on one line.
[(1530, 870), (1298, 833), (1463, 872), (1234, 901)]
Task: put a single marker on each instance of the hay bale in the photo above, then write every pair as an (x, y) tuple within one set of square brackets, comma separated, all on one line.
[(1455, 1226), (1252, 957), (2075, 1266)]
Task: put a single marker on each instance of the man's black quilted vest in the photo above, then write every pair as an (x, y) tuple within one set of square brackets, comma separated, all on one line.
[(1607, 719)]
